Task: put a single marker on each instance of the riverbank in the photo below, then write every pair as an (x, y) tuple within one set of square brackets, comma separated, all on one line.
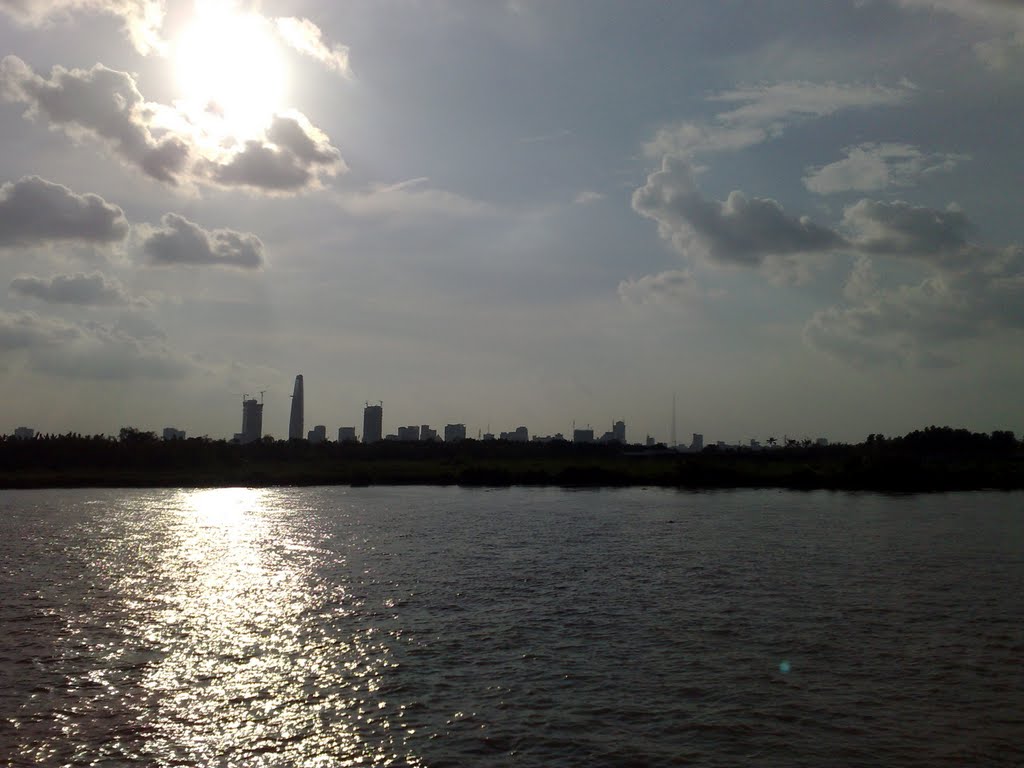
[(72, 461)]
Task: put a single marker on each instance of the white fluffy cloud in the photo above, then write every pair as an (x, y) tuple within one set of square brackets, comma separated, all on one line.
[(307, 38), (34, 212), (871, 167)]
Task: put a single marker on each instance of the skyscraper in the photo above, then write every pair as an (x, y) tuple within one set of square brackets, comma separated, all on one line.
[(295, 422), (252, 421), (373, 423)]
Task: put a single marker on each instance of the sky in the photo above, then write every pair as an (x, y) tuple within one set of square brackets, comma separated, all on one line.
[(800, 219)]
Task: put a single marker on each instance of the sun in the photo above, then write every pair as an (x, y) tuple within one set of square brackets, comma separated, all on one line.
[(229, 64)]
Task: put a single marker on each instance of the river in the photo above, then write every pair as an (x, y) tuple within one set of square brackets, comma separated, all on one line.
[(432, 626)]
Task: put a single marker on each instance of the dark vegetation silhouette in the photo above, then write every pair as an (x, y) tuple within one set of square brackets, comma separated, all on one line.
[(933, 459)]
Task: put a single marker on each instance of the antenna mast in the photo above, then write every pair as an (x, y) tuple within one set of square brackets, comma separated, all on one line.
[(673, 420)]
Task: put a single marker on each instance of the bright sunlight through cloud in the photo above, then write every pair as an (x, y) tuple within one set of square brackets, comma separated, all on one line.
[(229, 62)]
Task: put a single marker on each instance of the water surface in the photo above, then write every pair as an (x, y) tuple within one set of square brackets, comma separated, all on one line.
[(446, 626)]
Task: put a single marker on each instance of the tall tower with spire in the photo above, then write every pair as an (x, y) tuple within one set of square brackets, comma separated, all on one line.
[(296, 421)]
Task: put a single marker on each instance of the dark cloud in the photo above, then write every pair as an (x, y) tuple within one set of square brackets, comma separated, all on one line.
[(740, 230), (101, 102), (88, 351), (34, 211), (292, 156), (93, 290), (27, 330), (180, 241), (915, 324), (899, 228)]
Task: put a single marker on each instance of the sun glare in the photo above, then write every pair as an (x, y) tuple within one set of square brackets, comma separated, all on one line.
[(229, 64)]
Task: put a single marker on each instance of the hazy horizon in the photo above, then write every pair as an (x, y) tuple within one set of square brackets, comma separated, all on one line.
[(800, 218)]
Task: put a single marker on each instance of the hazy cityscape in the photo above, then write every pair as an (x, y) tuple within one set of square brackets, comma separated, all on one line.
[(373, 431)]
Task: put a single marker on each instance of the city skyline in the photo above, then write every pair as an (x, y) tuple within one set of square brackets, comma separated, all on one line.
[(801, 218)]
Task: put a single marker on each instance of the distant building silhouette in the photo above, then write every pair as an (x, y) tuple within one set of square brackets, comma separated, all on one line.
[(616, 435), (296, 421), (583, 435), (252, 422), (427, 434), (454, 432), (170, 433), (346, 434), (317, 434), (698, 442), (373, 423), (410, 434), (24, 433), (519, 435)]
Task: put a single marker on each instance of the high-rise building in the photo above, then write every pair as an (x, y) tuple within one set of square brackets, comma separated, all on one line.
[(252, 421), (518, 435), (619, 431), (583, 435), (373, 423), (170, 433), (297, 418), (346, 434), (427, 434), (317, 434), (697, 444), (454, 432), (24, 433), (410, 434)]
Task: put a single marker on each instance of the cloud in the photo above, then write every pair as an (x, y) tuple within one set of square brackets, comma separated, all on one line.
[(142, 19), (89, 350), (92, 290), (101, 103), (672, 288), (763, 112), (34, 211), (902, 229), (181, 242), (871, 167), (169, 144), (26, 330), (306, 38), (588, 196), (1005, 17), (410, 197), (915, 324), (740, 230), (968, 291), (292, 156)]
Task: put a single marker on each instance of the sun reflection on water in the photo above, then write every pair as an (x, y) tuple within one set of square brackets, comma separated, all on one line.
[(253, 669)]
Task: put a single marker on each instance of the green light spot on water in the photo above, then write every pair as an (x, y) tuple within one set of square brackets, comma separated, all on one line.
[(784, 667)]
